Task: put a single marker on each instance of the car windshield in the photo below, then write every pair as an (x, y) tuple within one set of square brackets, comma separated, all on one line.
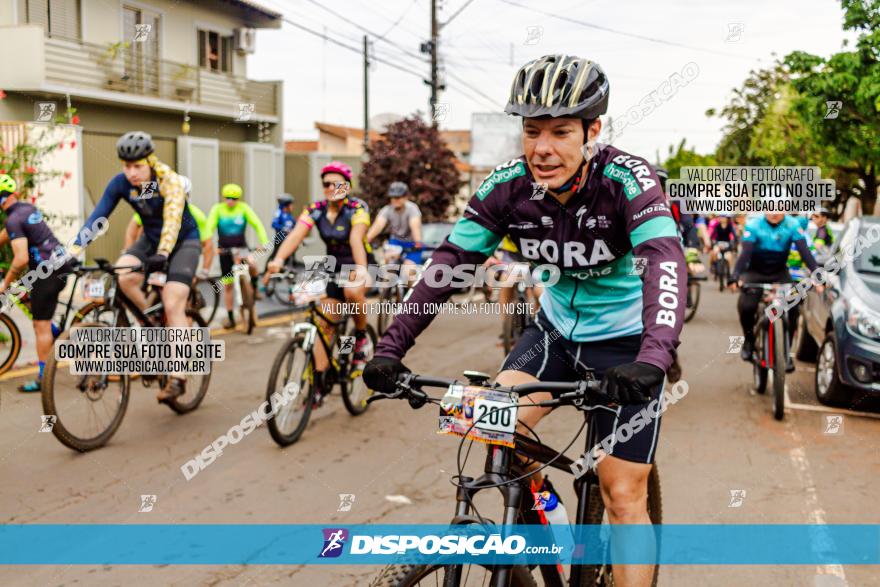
[(869, 260), (434, 233)]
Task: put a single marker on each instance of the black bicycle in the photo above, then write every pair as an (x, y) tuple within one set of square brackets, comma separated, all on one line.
[(506, 471), (771, 344), (722, 265), (295, 365), (90, 408)]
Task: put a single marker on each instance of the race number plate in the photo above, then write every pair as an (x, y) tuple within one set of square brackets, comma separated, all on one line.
[(495, 416), (93, 289), (479, 413)]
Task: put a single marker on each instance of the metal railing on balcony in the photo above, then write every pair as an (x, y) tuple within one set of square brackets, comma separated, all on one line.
[(124, 68)]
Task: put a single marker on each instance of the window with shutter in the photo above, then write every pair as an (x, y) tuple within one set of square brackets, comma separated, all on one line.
[(215, 51), (59, 18)]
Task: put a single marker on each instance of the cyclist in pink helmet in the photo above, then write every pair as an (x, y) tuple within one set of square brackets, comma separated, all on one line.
[(342, 222)]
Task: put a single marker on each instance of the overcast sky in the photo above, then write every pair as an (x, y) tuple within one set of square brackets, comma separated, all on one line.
[(725, 39)]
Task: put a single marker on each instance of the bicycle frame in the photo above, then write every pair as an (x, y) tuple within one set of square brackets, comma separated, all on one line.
[(500, 462), (763, 326), (312, 330)]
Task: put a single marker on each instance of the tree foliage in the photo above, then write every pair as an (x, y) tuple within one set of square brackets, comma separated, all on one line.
[(413, 152), (684, 157)]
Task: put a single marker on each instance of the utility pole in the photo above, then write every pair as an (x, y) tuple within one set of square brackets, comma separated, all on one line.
[(366, 95), (434, 82)]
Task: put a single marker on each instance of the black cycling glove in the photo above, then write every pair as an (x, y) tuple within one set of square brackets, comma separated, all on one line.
[(381, 374), (631, 383)]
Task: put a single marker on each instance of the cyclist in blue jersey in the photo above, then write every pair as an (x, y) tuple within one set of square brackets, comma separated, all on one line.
[(588, 210), (170, 241), (33, 243), (764, 259)]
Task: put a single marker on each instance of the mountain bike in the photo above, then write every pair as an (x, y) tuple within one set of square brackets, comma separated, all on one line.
[(204, 297), (295, 364), (243, 291), (505, 470), (282, 285), (90, 408), (693, 295), (10, 335), (722, 264), (771, 344)]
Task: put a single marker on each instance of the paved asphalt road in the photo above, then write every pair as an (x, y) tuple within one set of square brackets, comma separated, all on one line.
[(718, 439)]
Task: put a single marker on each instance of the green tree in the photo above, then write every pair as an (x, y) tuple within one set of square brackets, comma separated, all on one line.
[(745, 111), (853, 78), (413, 152), (682, 156)]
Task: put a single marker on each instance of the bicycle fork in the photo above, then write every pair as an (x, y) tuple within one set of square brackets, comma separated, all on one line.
[(498, 463)]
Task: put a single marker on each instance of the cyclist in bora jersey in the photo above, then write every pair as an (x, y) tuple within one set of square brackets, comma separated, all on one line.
[(230, 220), (342, 222), (170, 242), (766, 244), (602, 208)]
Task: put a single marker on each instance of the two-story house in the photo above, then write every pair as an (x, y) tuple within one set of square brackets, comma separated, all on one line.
[(174, 68)]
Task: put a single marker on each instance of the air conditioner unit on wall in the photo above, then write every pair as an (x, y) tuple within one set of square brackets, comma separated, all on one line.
[(245, 40)]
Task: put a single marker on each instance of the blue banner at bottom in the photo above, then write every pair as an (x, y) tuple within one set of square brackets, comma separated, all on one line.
[(221, 544)]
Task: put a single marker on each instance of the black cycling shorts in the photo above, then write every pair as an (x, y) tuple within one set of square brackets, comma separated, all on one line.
[(44, 294), (545, 354), (181, 263)]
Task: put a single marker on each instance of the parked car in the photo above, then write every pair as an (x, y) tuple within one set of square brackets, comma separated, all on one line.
[(839, 329)]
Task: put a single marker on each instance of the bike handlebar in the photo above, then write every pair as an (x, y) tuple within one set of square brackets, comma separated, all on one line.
[(409, 386)]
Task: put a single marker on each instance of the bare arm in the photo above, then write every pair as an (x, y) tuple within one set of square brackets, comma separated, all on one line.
[(415, 226), (292, 242), (356, 240), (377, 228), (4, 237), (19, 261)]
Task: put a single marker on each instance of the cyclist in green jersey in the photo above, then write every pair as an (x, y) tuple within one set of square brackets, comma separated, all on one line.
[(230, 220), (135, 228)]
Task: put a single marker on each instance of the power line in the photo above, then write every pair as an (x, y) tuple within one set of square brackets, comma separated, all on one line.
[(364, 29), (400, 18), (624, 33), (457, 12), (349, 47)]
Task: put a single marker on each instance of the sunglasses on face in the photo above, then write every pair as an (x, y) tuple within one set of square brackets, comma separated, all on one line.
[(330, 184)]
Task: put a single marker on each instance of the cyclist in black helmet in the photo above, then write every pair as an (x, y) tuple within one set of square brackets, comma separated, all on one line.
[(588, 210), (170, 241)]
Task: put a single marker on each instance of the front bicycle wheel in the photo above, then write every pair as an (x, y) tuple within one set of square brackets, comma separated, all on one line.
[(779, 361), (292, 377), (471, 576), (759, 370), (354, 391), (87, 409), (10, 343), (601, 574), (196, 384), (247, 311), (95, 311), (693, 299)]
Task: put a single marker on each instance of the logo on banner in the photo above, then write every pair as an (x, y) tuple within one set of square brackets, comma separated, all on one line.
[(334, 539)]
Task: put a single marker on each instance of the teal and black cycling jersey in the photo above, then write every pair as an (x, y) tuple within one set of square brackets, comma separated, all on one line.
[(617, 214), (231, 224)]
